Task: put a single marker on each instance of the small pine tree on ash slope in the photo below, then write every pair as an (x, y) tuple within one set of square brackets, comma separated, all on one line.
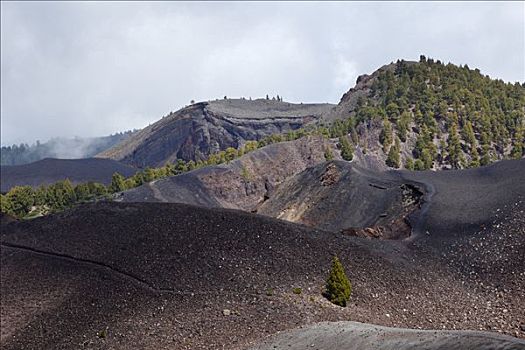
[(338, 286)]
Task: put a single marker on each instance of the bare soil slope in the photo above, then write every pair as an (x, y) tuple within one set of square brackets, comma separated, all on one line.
[(462, 201), (51, 170), (160, 275)]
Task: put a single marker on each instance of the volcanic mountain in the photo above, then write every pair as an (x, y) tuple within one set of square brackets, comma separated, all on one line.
[(226, 255), (196, 131), (415, 115)]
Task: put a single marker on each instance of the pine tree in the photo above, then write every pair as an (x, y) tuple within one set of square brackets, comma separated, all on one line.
[(426, 158), (5, 205), (386, 135), (82, 192), (149, 175), (20, 200), (230, 154), (419, 165), (402, 125), (409, 165), (117, 183), (347, 150), (393, 160), (486, 157), (328, 155), (468, 134), (518, 148), (454, 146), (40, 195), (474, 161), (338, 286)]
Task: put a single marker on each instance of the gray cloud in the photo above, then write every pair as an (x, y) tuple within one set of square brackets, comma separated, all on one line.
[(89, 69)]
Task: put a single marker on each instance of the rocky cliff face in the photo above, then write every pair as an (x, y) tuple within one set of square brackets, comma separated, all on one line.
[(194, 132)]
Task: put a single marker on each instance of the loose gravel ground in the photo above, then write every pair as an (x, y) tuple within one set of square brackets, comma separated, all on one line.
[(160, 276)]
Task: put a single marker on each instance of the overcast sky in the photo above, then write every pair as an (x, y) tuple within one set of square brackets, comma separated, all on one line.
[(90, 69)]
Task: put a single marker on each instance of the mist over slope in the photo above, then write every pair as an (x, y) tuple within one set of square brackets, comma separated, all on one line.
[(64, 148)]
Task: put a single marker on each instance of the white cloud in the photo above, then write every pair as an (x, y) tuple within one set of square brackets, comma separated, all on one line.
[(90, 69)]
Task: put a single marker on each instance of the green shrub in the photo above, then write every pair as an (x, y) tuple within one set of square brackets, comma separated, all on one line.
[(328, 155), (347, 150), (245, 174), (102, 334), (409, 165), (297, 291), (338, 286)]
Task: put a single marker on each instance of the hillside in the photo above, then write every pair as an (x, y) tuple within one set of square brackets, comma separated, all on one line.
[(159, 276), (428, 115), (453, 201), (201, 129), (339, 196), (48, 171), (244, 183), (292, 181), (207, 239), (415, 115)]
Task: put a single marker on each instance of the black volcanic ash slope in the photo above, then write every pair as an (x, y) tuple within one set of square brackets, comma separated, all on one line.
[(339, 195), (159, 276), (50, 170), (462, 201)]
